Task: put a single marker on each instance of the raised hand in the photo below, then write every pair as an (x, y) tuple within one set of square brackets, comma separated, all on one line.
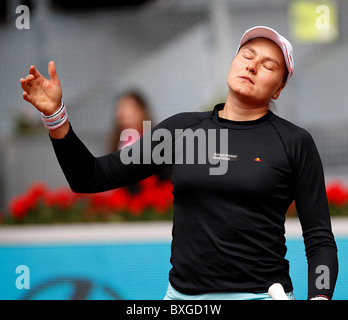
[(44, 94)]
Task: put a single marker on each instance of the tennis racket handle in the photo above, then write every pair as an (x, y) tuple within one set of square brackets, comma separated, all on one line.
[(276, 291)]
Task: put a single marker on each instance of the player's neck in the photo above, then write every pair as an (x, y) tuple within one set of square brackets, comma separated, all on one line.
[(237, 110)]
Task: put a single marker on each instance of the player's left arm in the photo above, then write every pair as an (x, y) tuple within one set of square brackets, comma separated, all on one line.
[(313, 211)]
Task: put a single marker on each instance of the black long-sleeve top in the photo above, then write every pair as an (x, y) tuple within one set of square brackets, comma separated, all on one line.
[(228, 229)]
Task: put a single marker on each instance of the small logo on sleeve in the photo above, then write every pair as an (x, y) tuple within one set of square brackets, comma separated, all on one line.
[(257, 160)]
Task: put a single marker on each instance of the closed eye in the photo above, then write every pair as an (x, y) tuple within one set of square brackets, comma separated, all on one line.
[(248, 56), (268, 67), (270, 64)]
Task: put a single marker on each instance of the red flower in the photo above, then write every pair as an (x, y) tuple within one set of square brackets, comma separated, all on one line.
[(63, 198), (337, 194), (118, 199), (19, 206), (98, 200), (149, 183), (37, 191), (164, 197), (136, 205), (154, 194)]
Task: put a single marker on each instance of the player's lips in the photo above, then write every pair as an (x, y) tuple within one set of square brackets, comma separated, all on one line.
[(247, 79)]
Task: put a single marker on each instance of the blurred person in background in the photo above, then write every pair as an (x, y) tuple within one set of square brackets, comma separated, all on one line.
[(228, 229), (130, 111)]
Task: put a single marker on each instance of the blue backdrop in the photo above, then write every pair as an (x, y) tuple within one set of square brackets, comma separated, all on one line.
[(120, 271)]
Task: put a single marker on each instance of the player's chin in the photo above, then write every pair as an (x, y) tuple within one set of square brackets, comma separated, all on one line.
[(244, 90)]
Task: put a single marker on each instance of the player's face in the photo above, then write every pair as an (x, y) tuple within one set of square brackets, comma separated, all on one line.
[(257, 72)]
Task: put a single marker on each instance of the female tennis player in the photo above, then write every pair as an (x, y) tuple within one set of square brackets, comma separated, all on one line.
[(228, 229)]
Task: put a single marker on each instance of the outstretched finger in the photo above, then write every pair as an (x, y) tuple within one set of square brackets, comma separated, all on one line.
[(34, 72), (24, 84), (26, 97), (29, 80), (22, 81), (52, 72)]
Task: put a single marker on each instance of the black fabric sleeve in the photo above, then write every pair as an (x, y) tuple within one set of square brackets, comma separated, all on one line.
[(313, 211), (88, 174)]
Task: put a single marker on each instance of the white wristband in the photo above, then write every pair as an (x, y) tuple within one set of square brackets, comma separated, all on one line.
[(55, 120)]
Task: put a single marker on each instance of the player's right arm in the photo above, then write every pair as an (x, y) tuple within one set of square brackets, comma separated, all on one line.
[(45, 95), (84, 172)]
